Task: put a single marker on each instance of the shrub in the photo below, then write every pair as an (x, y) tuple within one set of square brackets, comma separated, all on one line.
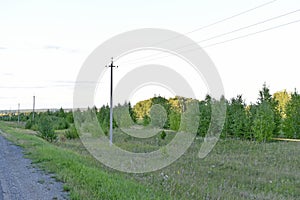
[(72, 133), (45, 128), (163, 135), (59, 123), (29, 124), (146, 120)]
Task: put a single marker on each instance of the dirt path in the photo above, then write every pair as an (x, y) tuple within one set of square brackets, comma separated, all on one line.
[(20, 180)]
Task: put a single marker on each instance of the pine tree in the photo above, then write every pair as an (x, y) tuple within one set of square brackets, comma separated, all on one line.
[(291, 124), (236, 118), (263, 124), (204, 116), (265, 96)]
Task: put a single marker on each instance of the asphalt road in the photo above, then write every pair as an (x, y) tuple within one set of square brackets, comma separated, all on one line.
[(1, 192), (20, 180)]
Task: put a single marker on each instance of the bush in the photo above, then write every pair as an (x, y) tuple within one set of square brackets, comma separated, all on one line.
[(146, 120), (72, 133), (45, 128), (59, 123), (175, 119), (263, 124), (163, 135), (29, 124)]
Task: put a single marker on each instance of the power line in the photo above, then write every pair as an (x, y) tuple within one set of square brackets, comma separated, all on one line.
[(242, 28), (254, 33), (227, 33), (213, 24), (231, 17), (229, 40)]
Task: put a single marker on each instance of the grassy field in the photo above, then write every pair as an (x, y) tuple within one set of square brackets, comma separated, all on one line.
[(233, 170)]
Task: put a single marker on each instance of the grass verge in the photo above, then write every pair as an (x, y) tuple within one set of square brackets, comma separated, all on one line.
[(81, 175), (234, 169)]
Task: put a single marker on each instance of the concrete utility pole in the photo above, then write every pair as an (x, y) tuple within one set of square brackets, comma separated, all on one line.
[(33, 108), (111, 102)]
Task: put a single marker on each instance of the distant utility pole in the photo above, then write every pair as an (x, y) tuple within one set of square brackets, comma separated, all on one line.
[(18, 113), (33, 108), (111, 102)]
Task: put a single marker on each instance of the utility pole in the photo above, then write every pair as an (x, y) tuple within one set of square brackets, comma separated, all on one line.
[(18, 113), (111, 102), (33, 108)]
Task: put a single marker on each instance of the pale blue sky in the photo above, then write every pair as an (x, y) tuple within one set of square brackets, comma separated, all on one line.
[(44, 43)]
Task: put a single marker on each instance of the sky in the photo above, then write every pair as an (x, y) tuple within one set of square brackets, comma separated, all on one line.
[(43, 45)]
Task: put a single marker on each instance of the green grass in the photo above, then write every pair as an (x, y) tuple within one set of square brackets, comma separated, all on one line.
[(234, 169), (82, 175)]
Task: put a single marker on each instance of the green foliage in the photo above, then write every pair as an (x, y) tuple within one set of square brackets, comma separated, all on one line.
[(69, 117), (263, 124), (59, 123), (60, 113), (71, 133), (250, 116), (236, 121), (103, 117), (146, 120), (265, 96), (190, 117), (122, 115), (142, 108), (291, 124), (158, 116), (279, 113), (14, 117), (218, 116), (29, 123), (174, 119), (46, 129), (204, 117), (132, 113), (163, 135), (176, 104)]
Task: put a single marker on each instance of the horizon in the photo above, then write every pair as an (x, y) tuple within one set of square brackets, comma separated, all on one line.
[(68, 109)]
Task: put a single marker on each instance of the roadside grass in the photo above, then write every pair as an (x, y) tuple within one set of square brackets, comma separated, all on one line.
[(82, 176), (235, 169)]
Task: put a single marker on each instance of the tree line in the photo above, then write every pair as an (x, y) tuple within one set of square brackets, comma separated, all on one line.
[(276, 115)]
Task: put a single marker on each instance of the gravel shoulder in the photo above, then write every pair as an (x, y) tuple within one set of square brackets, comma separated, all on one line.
[(20, 180)]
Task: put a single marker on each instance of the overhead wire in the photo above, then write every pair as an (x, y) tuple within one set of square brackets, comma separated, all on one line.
[(228, 33), (213, 24)]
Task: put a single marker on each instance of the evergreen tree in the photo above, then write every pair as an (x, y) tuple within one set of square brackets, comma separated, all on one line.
[(132, 113), (263, 124), (204, 116), (291, 124), (175, 119), (236, 122), (46, 129), (265, 96)]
